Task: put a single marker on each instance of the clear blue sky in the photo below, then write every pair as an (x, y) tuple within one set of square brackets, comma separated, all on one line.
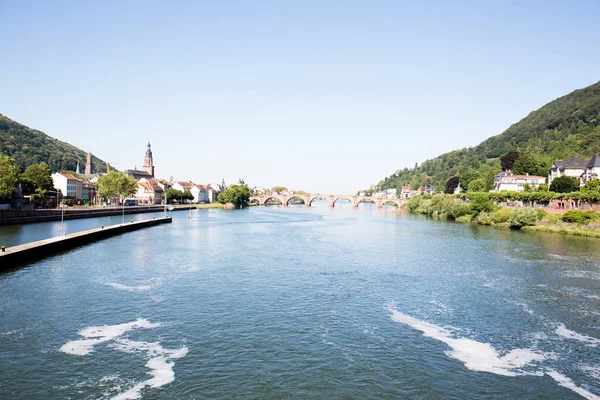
[(325, 96)]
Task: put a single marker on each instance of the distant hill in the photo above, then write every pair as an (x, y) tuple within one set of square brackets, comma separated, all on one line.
[(567, 126), (29, 146)]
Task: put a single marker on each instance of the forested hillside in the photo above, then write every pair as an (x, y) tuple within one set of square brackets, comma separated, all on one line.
[(29, 146), (567, 126)]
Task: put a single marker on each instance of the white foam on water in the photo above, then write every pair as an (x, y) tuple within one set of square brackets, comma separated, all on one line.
[(591, 370), (569, 384), (569, 334), (476, 356), (99, 334), (141, 288), (160, 360), (160, 365)]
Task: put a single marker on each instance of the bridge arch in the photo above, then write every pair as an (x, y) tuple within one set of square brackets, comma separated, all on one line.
[(344, 199), (316, 197), (387, 202), (267, 198), (295, 197), (366, 200)]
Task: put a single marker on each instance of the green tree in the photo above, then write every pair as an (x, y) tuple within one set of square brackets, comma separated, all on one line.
[(173, 195), (300, 192), (477, 185), (542, 187), (36, 180), (116, 184), (467, 176), (8, 177), (564, 184), (187, 195), (236, 194), (532, 164), (278, 189), (592, 186)]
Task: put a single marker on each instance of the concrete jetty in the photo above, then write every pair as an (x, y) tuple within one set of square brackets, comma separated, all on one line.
[(12, 257)]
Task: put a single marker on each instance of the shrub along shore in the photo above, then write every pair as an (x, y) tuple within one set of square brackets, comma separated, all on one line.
[(480, 208)]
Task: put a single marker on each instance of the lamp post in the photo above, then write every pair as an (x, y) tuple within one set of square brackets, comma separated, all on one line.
[(165, 203), (62, 211)]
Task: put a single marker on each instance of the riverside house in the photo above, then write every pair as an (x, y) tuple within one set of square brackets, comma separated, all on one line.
[(149, 191), (574, 167), (68, 185), (518, 182)]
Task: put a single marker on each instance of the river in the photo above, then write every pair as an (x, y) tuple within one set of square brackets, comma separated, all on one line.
[(307, 303)]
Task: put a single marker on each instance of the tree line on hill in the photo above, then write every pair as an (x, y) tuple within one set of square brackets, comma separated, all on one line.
[(568, 126), (29, 146)]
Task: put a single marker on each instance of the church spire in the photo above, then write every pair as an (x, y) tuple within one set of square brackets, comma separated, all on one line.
[(149, 161)]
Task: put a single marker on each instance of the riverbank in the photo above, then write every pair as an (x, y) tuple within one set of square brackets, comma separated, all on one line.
[(480, 210), (18, 217)]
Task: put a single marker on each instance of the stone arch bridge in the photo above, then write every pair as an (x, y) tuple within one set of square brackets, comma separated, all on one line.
[(285, 199)]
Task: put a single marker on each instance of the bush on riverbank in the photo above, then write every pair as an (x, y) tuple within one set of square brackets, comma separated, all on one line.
[(580, 217), (523, 217), (479, 208)]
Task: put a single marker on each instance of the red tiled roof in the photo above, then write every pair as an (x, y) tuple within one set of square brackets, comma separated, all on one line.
[(69, 176), (186, 185), (150, 184)]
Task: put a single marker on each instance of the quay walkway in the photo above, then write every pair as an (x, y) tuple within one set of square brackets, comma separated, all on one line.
[(12, 257)]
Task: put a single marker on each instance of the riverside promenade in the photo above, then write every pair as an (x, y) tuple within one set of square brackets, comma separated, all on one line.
[(12, 257), (13, 217)]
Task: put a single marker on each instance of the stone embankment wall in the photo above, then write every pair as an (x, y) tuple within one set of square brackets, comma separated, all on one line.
[(10, 217)]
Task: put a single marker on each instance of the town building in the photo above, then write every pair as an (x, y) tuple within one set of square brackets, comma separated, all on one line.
[(200, 194), (574, 167), (498, 177), (212, 192), (517, 182), (405, 192), (149, 191), (164, 184), (183, 186), (69, 185), (593, 169)]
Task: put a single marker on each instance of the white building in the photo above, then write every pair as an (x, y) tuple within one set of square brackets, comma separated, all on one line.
[(593, 169), (149, 191), (183, 186), (199, 193), (405, 192), (212, 192), (574, 167), (517, 182), (68, 185)]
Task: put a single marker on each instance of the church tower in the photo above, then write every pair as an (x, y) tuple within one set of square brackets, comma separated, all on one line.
[(148, 162), (88, 163)]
